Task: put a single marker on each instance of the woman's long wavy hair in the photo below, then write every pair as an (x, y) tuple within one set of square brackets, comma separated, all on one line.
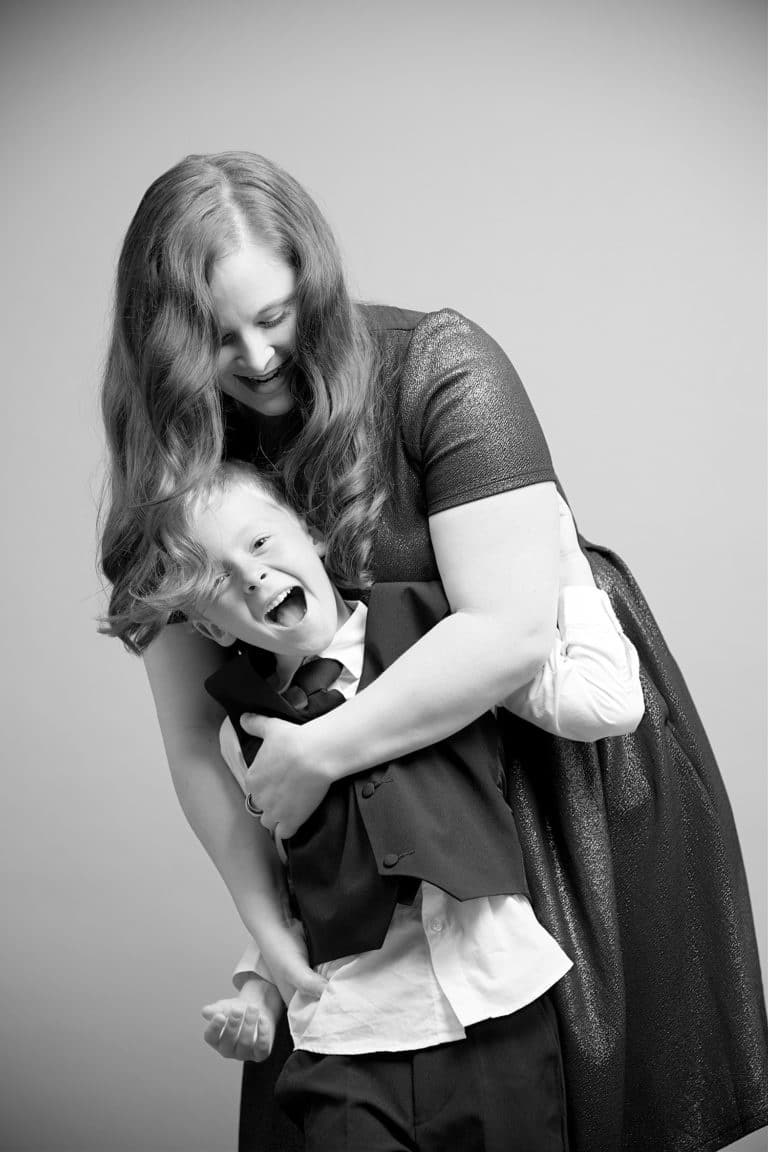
[(161, 401)]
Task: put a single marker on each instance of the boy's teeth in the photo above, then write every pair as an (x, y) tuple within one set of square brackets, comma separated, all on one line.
[(289, 608), (278, 600)]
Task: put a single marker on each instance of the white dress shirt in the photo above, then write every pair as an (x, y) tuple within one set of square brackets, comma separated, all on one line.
[(445, 963)]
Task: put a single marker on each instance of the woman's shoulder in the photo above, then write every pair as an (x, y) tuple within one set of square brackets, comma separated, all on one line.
[(443, 335), (425, 343), (458, 402), (420, 348), (384, 318)]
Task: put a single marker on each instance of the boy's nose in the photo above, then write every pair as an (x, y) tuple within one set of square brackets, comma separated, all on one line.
[(254, 579)]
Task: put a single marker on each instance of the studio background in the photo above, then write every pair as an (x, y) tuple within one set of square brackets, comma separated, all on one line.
[(587, 181)]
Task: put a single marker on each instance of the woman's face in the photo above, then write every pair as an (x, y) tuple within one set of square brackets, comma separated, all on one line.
[(254, 299)]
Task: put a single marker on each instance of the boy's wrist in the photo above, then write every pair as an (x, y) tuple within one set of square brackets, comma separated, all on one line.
[(256, 988)]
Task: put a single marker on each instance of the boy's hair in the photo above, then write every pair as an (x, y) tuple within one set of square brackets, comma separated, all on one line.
[(184, 573)]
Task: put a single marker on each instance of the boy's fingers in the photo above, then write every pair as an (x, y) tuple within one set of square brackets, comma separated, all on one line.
[(249, 1023), (218, 1007), (262, 1045), (239, 1035), (234, 1021), (263, 1036), (262, 1041), (248, 1035), (214, 1031)]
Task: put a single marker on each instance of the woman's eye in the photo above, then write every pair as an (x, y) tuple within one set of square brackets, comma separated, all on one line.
[(220, 579), (273, 323), (227, 338)]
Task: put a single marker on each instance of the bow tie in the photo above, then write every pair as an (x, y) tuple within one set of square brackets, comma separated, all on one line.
[(310, 693)]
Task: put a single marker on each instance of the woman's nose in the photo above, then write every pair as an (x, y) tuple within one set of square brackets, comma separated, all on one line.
[(256, 353)]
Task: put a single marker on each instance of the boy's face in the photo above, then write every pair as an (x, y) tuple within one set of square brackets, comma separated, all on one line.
[(273, 590)]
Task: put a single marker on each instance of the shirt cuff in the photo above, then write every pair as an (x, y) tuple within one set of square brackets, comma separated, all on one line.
[(252, 963)]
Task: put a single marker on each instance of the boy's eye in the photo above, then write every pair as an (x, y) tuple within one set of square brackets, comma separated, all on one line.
[(259, 542)]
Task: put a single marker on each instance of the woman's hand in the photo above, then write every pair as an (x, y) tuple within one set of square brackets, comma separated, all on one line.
[(243, 1027), (286, 780)]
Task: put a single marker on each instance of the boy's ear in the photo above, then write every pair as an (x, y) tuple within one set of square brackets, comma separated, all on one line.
[(317, 540), (213, 632)]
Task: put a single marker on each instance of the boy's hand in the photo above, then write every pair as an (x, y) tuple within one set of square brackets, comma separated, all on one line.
[(574, 566), (243, 1027)]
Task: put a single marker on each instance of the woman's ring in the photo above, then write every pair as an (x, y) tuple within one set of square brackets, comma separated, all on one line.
[(251, 806)]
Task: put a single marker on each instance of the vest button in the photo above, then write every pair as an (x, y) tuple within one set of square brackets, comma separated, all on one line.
[(390, 860), (367, 790)]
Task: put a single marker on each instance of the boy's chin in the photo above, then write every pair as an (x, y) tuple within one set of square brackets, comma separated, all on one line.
[(308, 638)]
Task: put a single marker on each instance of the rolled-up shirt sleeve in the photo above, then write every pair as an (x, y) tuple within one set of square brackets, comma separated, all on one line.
[(589, 688)]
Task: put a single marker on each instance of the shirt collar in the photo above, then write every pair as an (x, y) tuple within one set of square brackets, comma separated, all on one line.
[(347, 644)]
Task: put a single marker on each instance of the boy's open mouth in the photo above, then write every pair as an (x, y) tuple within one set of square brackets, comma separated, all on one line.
[(289, 608)]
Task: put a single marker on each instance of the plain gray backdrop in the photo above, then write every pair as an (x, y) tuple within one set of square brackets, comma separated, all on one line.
[(587, 181)]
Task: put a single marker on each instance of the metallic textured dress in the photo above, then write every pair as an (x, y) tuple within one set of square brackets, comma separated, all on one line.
[(630, 847)]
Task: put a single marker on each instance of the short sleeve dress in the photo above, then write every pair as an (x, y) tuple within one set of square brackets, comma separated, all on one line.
[(631, 852)]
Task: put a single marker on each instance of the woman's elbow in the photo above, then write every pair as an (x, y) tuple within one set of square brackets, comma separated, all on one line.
[(524, 654)]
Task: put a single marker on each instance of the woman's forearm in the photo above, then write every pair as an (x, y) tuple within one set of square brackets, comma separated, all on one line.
[(498, 562), (459, 669)]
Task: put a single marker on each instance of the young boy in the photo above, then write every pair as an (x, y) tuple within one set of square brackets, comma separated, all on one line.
[(458, 967)]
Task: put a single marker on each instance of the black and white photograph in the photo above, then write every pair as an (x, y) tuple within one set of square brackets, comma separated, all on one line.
[(385, 576)]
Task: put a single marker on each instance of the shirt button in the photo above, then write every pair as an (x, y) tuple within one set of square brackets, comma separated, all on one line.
[(367, 790), (390, 860), (436, 925)]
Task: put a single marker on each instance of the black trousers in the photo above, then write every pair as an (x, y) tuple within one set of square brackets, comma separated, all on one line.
[(499, 1090)]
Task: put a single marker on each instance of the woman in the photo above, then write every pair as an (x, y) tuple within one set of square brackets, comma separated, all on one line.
[(410, 445)]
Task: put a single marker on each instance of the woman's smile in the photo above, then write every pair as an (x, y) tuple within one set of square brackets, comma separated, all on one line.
[(252, 380), (270, 384)]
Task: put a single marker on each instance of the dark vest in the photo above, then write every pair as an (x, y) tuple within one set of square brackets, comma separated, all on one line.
[(438, 814)]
